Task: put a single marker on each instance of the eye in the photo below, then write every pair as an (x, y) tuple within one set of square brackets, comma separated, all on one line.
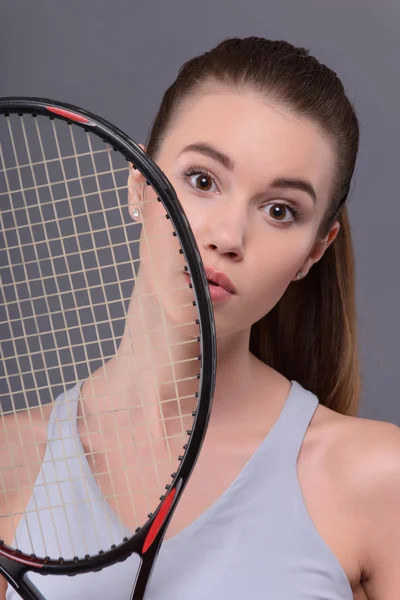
[(281, 209), (200, 179)]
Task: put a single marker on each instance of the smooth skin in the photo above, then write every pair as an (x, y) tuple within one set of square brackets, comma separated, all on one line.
[(348, 468)]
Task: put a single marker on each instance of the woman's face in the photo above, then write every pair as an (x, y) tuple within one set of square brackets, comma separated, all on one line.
[(255, 181)]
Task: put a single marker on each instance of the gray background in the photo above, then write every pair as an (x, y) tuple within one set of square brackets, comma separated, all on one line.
[(116, 58)]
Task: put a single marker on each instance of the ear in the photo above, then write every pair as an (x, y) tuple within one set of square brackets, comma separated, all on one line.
[(136, 184), (320, 247)]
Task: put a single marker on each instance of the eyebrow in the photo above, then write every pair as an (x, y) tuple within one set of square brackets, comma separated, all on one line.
[(287, 183)]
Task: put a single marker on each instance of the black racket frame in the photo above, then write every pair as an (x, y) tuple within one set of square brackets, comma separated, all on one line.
[(14, 565)]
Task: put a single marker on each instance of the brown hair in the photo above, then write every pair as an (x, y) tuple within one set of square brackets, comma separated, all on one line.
[(310, 335)]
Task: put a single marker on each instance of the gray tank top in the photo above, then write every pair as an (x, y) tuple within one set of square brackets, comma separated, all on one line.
[(257, 540)]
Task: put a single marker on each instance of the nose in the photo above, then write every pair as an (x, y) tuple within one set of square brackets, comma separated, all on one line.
[(224, 231)]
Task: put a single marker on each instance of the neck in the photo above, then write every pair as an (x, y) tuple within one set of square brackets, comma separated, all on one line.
[(246, 389), (155, 359), (141, 372)]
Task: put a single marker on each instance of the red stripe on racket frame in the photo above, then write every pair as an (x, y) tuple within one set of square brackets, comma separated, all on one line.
[(12, 554), (67, 114), (159, 520)]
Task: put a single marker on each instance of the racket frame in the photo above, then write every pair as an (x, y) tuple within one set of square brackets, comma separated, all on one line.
[(146, 541)]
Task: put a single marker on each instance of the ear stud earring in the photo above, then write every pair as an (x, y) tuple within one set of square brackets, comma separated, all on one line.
[(135, 213)]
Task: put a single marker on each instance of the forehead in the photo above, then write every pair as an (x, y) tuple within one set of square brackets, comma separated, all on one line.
[(264, 139)]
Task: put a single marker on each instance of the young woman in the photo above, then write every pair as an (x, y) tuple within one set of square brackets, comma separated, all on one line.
[(293, 496)]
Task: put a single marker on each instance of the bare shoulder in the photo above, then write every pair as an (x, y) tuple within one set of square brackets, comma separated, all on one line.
[(23, 440), (21, 434), (362, 447), (360, 458), (21, 419)]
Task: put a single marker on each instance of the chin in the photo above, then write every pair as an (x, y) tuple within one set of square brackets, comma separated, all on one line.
[(181, 318), (226, 326)]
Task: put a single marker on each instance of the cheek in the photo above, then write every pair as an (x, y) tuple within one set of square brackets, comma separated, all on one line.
[(267, 293), (163, 282), (159, 257), (157, 241), (268, 277)]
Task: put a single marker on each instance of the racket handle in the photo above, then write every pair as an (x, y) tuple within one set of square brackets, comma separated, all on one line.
[(142, 579), (29, 592), (143, 576)]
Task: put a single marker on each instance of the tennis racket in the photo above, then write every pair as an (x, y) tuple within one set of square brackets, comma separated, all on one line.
[(107, 347)]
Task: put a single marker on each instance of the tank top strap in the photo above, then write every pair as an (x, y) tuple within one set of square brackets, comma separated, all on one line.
[(62, 422), (288, 433)]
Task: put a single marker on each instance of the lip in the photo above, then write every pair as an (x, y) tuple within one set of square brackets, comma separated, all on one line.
[(220, 279), (224, 289)]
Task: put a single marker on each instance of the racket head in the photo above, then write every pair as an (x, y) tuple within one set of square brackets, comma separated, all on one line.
[(146, 539)]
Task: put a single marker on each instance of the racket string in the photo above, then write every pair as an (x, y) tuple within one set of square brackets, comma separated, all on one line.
[(57, 302), (56, 349)]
